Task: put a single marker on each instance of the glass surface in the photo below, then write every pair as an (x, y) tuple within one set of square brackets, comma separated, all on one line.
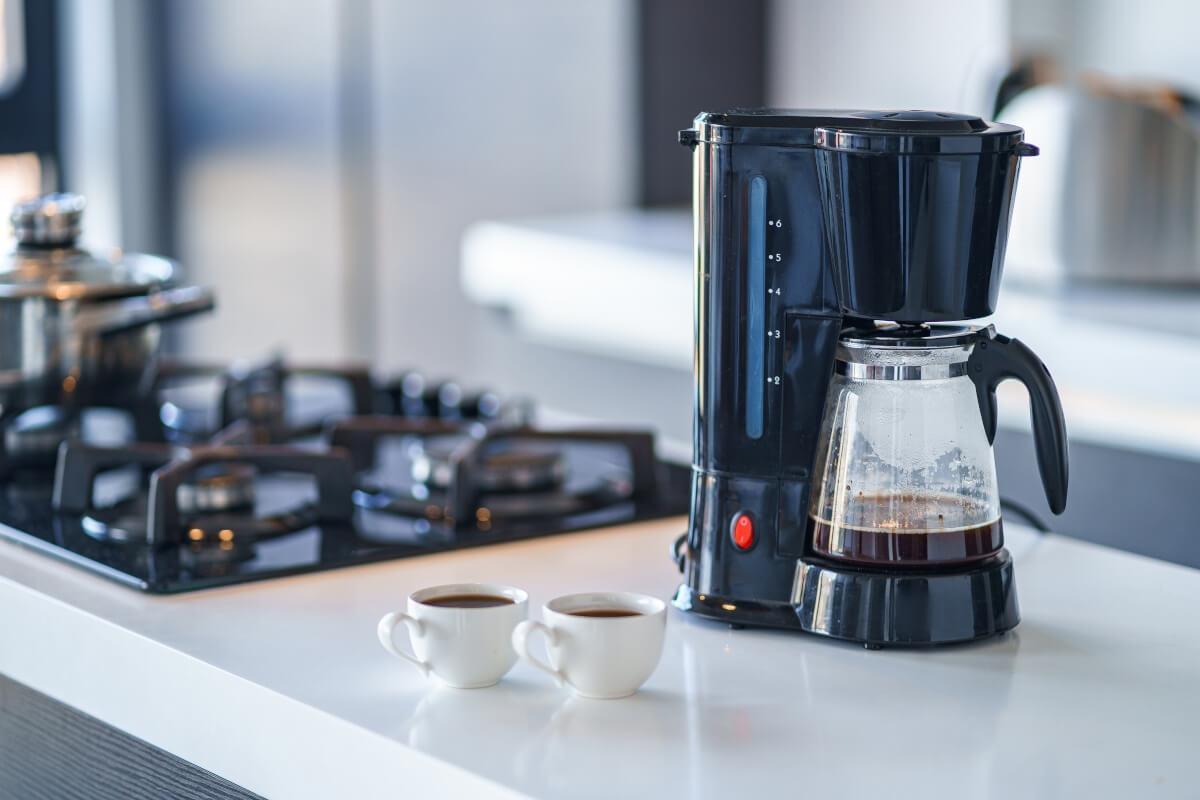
[(906, 474)]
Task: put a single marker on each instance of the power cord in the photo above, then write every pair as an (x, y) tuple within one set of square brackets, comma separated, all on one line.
[(1010, 506)]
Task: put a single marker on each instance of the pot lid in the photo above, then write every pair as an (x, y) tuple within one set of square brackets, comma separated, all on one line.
[(47, 262), (925, 132)]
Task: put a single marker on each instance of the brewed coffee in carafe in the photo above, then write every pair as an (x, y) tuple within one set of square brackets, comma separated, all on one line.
[(906, 476)]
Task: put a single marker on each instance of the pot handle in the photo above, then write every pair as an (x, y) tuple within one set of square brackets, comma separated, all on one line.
[(116, 316), (996, 358)]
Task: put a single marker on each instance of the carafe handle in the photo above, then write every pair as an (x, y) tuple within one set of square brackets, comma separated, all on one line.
[(996, 358)]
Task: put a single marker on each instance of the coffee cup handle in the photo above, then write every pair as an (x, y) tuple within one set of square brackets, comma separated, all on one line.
[(520, 643), (387, 630)]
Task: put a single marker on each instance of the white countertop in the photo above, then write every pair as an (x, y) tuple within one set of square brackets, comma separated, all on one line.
[(281, 686), (619, 283)]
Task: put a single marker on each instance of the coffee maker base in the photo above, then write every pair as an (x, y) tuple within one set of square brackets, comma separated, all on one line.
[(880, 609)]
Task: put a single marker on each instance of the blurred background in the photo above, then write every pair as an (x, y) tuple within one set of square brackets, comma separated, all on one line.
[(493, 191)]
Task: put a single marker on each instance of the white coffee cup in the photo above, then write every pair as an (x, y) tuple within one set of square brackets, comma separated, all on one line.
[(598, 656), (464, 647)]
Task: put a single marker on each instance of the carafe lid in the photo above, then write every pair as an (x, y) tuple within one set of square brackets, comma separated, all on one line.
[(891, 335), (906, 352), (923, 132), (46, 261)]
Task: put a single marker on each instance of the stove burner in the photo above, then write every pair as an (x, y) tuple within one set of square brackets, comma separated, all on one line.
[(35, 435), (217, 487), (513, 469), (231, 535), (30, 439), (122, 525)]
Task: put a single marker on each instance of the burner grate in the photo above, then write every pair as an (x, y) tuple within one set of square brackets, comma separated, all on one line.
[(168, 517), (468, 489)]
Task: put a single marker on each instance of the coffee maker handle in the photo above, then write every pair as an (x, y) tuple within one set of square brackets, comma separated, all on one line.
[(996, 358)]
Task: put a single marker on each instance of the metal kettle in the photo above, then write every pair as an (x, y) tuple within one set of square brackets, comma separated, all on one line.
[(1131, 205), (1121, 201)]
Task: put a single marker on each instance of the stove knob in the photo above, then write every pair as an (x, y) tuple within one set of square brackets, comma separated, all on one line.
[(487, 405), (450, 401), (479, 405), (407, 395)]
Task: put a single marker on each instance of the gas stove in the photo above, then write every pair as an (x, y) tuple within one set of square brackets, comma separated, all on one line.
[(216, 475)]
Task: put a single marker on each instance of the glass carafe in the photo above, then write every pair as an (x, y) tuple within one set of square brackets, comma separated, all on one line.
[(905, 476)]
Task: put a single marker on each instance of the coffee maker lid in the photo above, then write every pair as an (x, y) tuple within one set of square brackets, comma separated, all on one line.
[(777, 127), (921, 132)]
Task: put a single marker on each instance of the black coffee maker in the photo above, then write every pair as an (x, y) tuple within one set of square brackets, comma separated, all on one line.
[(843, 478)]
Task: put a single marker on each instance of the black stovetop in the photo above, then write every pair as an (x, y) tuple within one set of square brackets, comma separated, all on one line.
[(361, 500)]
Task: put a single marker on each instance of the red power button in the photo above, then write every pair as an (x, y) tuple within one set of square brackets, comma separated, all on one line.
[(742, 530)]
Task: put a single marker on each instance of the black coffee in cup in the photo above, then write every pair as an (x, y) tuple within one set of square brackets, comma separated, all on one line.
[(604, 612), (469, 601)]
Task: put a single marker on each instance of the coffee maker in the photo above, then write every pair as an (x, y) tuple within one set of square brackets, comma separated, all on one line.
[(843, 477)]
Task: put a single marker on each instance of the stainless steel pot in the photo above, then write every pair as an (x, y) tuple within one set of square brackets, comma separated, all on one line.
[(77, 328)]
